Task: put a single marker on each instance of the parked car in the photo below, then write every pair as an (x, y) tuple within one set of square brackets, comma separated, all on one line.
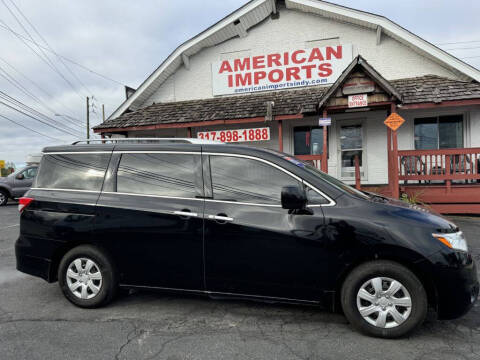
[(241, 222), (17, 183)]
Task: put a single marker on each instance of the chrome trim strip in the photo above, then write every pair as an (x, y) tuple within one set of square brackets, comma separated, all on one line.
[(156, 152), (151, 195), (74, 190), (242, 203), (207, 292), (76, 152), (183, 198)]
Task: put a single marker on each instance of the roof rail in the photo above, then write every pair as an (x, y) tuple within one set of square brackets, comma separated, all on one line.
[(146, 141)]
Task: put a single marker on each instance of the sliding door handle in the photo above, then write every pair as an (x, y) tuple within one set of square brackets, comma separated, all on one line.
[(220, 218), (186, 213)]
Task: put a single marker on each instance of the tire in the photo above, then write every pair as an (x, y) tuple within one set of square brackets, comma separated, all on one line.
[(4, 197), (386, 316), (91, 281)]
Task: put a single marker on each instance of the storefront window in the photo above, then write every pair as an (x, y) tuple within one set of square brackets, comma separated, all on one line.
[(440, 132), (308, 140)]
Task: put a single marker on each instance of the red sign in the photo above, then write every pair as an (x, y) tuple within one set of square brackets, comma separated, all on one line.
[(357, 100), (238, 135), (394, 121)]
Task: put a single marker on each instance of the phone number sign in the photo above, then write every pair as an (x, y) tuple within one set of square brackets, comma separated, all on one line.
[(237, 135)]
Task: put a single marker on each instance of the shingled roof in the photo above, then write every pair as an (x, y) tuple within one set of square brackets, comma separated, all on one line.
[(424, 89), (436, 89)]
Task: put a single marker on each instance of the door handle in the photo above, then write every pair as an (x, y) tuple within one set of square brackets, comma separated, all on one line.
[(222, 218), (186, 213)]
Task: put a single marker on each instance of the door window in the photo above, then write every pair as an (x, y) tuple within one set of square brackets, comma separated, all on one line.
[(30, 173), (247, 180), (351, 145), (158, 174)]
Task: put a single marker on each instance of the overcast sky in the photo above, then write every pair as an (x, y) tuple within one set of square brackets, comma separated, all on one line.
[(126, 40)]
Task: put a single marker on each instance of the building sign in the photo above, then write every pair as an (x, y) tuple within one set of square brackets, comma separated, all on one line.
[(394, 121), (280, 70), (237, 135), (324, 121), (357, 100)]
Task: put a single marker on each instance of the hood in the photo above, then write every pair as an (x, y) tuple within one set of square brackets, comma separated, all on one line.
[(422, 215)]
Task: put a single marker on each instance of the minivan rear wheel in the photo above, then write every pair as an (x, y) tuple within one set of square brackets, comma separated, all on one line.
[(87, 277), (384, 299)]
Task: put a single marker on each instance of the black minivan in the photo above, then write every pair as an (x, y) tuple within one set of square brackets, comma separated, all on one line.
[(221, 220)]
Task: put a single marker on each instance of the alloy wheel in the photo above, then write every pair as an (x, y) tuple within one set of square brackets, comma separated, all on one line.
[(84, 278), (384, 302)]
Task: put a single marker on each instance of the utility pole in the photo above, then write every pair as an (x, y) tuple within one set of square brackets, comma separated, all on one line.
[(103, 112), (88, 118)]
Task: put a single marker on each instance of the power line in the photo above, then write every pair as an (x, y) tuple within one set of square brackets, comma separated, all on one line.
[(26, 127), (49, 47), (5, 27), (458, 42), (464, 48), (47, 120), (33, 111), (34, 118), (37, 86), (46, 59), (19, 86)]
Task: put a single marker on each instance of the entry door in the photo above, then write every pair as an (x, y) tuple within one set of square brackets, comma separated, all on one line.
[(152, 222), (252, 245), (351, 144)]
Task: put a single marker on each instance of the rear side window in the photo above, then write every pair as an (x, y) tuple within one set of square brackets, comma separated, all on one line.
[(247, 180), (158, 174), (72, 171)]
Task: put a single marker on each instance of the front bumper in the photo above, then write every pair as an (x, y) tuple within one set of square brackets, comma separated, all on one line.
[(456, 283)]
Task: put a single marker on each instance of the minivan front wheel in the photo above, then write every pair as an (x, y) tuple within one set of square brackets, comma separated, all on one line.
[(384, 299), (86, 276)]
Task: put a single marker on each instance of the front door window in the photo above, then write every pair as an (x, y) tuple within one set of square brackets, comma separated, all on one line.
[(351, 145)]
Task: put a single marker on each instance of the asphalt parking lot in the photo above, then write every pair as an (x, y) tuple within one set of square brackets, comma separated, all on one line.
[(37, 322)]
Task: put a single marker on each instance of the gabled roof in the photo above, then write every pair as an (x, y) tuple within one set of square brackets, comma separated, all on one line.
[(423, 89), (360, 62), (255, 11)]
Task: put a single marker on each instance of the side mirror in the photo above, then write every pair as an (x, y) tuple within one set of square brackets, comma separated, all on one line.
[(20, 177), (293, 198)]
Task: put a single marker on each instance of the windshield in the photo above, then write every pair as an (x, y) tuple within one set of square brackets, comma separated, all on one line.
[(325, 177)]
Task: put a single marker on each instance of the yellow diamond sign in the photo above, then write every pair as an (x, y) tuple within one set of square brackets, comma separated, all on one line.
[(394, 121), (2, 164)]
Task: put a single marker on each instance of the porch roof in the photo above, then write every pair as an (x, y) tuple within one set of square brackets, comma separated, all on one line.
[(424, 89)]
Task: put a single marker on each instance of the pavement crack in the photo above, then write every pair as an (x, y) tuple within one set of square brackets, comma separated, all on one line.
[(131, 336)]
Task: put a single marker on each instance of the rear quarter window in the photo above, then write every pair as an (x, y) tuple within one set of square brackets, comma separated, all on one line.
[(72, 171)]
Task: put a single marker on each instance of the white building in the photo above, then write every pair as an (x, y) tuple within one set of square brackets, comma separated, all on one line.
[(281, 65)]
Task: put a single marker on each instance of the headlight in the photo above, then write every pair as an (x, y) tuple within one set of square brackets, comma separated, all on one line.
[(453, 240)]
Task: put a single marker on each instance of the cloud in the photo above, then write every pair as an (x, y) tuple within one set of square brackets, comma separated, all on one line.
[(127, 40)]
